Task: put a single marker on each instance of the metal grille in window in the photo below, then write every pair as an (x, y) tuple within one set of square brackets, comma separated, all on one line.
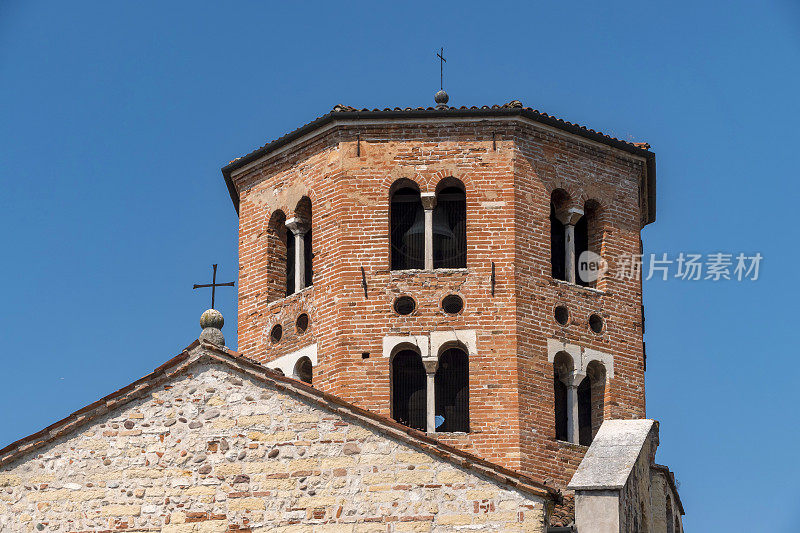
[(450, 229), (409, 396), (404, 305), (309, 273), (289, 263), (452, 391), (407, 230), (304, 370), (581, 245), (276, 333), (557, 246), (585, 412), (560, 391), (452, 304)]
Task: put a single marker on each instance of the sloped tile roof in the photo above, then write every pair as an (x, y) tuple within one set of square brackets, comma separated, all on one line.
[(513, 108)]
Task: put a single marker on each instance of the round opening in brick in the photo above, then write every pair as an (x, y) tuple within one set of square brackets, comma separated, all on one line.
[(561, 314), (452, 304), (301, 325), (596, 323), (276, 333), (404, 305)]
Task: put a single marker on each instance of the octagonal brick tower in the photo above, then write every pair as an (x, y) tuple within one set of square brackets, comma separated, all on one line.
[(318, 294)]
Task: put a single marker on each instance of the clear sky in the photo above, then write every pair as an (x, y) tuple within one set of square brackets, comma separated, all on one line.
[(116, 117)]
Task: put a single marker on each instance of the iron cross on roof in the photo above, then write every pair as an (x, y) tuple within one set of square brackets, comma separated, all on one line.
[(213, 285), (442, 61)]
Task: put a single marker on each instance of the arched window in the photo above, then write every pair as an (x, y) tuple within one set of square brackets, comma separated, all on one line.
[(409, 396), (558, 252), (303, 370), (591, 402), (585, 412), (406, 227), (562, 366), (452, 391), (278, 237), (588, 237), (303, 214), (290, 251), (450, 225)]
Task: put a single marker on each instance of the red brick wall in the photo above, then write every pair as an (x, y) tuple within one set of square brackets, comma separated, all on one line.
[(508, 193)]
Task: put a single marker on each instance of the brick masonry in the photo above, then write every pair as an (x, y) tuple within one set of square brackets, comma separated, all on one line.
[(509, 170), (211, 449)]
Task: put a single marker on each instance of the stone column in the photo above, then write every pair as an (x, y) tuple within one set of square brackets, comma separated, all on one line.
[(430, 373), (299, 228), (573, 381), (569, 217), (428, 203)]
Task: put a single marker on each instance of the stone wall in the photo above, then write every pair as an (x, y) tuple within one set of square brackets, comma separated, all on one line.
[(213, 449)]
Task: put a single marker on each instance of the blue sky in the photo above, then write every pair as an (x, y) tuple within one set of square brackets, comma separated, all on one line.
[(116, 118)]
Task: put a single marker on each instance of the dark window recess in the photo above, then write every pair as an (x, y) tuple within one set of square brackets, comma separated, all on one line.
[(276, 333), (409, 397), (585, 412), (596, 323), (581, 245), (452, 391), (308, 256), (560, 391), (452, 304), (450, 229), (364, 355), (557, 245), (407, 228), (562, 315), (301, 325), (404, 305), (303, 370), (289, 263)]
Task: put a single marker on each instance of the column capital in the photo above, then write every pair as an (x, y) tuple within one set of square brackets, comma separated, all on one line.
[(431, 364), (428, 200), (298, 226), (573, 379), (569, 215)]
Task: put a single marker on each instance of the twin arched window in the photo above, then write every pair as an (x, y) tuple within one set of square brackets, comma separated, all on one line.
[(289, 245), (451, 391), (587, 390), (438, 222), (572, 232)]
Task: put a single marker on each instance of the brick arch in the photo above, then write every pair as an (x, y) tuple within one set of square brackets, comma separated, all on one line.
[(573, 194), (303, 208), (438, 177), (394, 177)]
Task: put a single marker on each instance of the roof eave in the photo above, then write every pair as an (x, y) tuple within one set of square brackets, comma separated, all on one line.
[(531, 114)]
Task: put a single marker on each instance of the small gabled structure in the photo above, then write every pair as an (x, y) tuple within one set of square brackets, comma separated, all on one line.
[(619, 487)]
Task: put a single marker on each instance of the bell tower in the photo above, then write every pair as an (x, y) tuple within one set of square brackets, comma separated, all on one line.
[(425, 263)]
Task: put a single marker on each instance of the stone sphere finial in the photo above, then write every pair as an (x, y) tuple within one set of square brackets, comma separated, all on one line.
[(441, 99), (211, 321)]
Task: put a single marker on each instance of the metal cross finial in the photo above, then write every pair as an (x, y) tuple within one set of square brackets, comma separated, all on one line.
[(442, 61), (213, 285)]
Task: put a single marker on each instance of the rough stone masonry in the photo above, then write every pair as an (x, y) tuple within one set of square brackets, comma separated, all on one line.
[(213, 443)]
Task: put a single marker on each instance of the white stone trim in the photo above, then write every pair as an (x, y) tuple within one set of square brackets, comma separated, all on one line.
[(466, 337), (390, 342), (286, 363), (581, 357)]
